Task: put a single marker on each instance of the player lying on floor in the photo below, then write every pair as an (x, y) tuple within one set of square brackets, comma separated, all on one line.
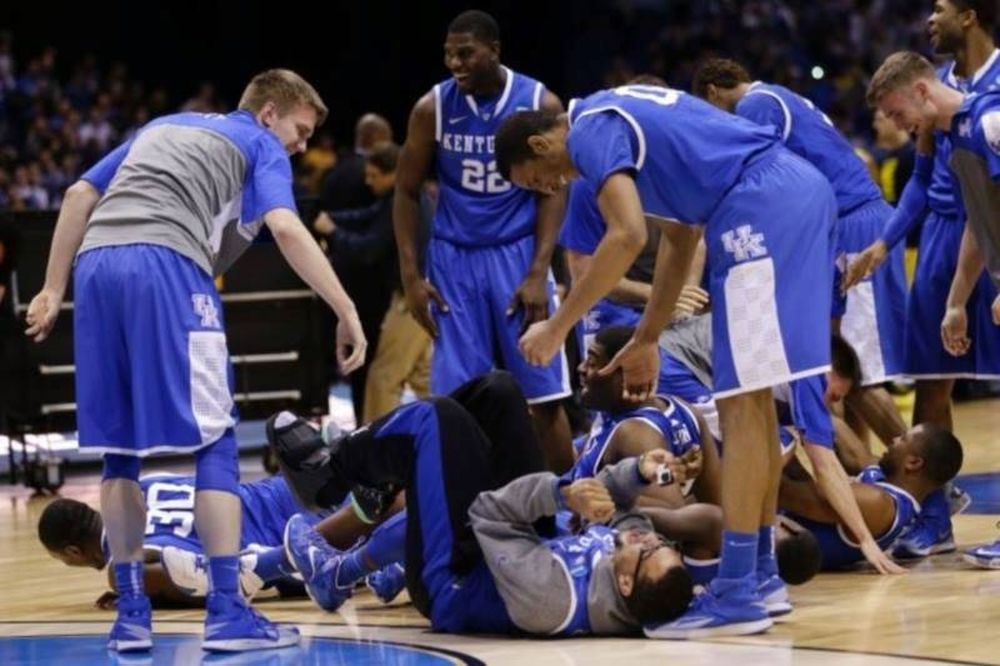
[(175, 570), (476, 561), (888, 492)]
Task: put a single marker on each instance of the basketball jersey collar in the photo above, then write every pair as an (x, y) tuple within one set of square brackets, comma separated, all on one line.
[(498, 109), (955, 82)]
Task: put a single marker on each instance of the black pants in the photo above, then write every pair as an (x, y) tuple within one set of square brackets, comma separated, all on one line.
[(444, 451)]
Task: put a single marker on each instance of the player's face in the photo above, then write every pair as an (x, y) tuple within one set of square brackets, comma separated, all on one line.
[(596, 392), (471, 62), (903, 447), (293, 128), (72, 556), (724, 98), (378, 181), (944, 27), (908, 109), (642, 556)]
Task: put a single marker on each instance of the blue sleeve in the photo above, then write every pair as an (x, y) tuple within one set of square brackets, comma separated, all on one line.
[(988, 140), (583, 226), (101, 174), (912, 203), (809, 412), (766, 111), (269, 183), (601, 145)]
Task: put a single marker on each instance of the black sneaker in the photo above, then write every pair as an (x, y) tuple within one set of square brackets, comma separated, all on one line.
[(304, 459), (370, 504)]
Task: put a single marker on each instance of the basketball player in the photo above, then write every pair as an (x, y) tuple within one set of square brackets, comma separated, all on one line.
[(962, 29), (889, 491), (474, 560), (871, 316), (659, 153), (73, 533), (906, 88), (148, 226), (488, 260)]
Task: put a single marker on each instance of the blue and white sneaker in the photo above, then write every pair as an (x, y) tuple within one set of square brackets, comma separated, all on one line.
[(387, 582), (729, 607), (986, 556), (188, 571), (317, 561), (233, 626), (133, 628), (929, 535), (774, 594)]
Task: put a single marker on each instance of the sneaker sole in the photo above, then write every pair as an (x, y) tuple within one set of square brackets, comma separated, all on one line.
[(982, 562), (733, 629), (907, 553), (778, 609), (131, 646), (246, 644)]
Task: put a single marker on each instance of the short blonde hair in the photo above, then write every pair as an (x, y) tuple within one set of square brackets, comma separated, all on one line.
[(900, 69), (286, 89)]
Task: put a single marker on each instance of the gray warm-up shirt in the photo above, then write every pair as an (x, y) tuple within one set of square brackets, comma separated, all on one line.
[(533, 581), (199, 184)]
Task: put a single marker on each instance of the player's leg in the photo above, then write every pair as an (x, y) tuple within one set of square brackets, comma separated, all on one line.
[(105, 422), (544, 388), (771, 266), (465, 344)]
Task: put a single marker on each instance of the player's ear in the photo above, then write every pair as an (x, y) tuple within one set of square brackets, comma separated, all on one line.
[(268, 114), (914, 463), (495, 49), (625, 584), (539, 144)]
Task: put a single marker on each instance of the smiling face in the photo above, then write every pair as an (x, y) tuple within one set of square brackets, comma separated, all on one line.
[(642, 556), (946, 27), (909, 108), (472, 63)]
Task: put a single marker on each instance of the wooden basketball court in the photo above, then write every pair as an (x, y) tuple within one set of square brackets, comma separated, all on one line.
[(942, 610)]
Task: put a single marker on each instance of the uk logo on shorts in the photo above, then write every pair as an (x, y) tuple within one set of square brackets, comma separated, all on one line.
[(744, 244), (204, 307)]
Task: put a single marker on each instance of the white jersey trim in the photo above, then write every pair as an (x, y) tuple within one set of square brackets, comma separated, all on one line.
[(498, 109), (573, 599), (536, 101), (641, 157), (787, 131), (437, 112)]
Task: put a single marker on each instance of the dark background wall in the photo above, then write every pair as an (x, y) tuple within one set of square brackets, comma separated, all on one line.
[(370, 55)]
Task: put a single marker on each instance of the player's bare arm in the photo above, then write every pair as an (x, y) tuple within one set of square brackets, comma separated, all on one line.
[(78, 204), (415, 160), (532, 293)]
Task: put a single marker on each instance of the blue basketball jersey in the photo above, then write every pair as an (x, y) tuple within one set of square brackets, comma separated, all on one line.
[(942, 195), (266, 507), (580, 555), (583, 225), (685, 153), (809, 133), (838, 549), (476, 206), (675, 422)]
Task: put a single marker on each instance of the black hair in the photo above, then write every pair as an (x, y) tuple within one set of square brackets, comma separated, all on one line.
[(477, 23), (647, 80), (986, 12), (384, 157), (719, 72), (655, 602), (67, 522), (942, 454), (512, 138), (799, 557), (613, 338), (845, 361)]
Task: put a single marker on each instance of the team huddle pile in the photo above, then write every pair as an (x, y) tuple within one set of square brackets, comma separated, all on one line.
[(741, 294)]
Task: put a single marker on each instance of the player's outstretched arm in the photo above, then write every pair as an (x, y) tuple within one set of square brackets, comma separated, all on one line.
[(955, 325), (836, 488), (532, 293), (414, 162), (78, 204), (309, 263)]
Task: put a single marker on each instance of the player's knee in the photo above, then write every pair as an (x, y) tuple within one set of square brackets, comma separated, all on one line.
[(218, 465), (121, 467)]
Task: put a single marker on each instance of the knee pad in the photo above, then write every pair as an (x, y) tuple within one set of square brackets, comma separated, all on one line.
[(121, 467), (218, 465)]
